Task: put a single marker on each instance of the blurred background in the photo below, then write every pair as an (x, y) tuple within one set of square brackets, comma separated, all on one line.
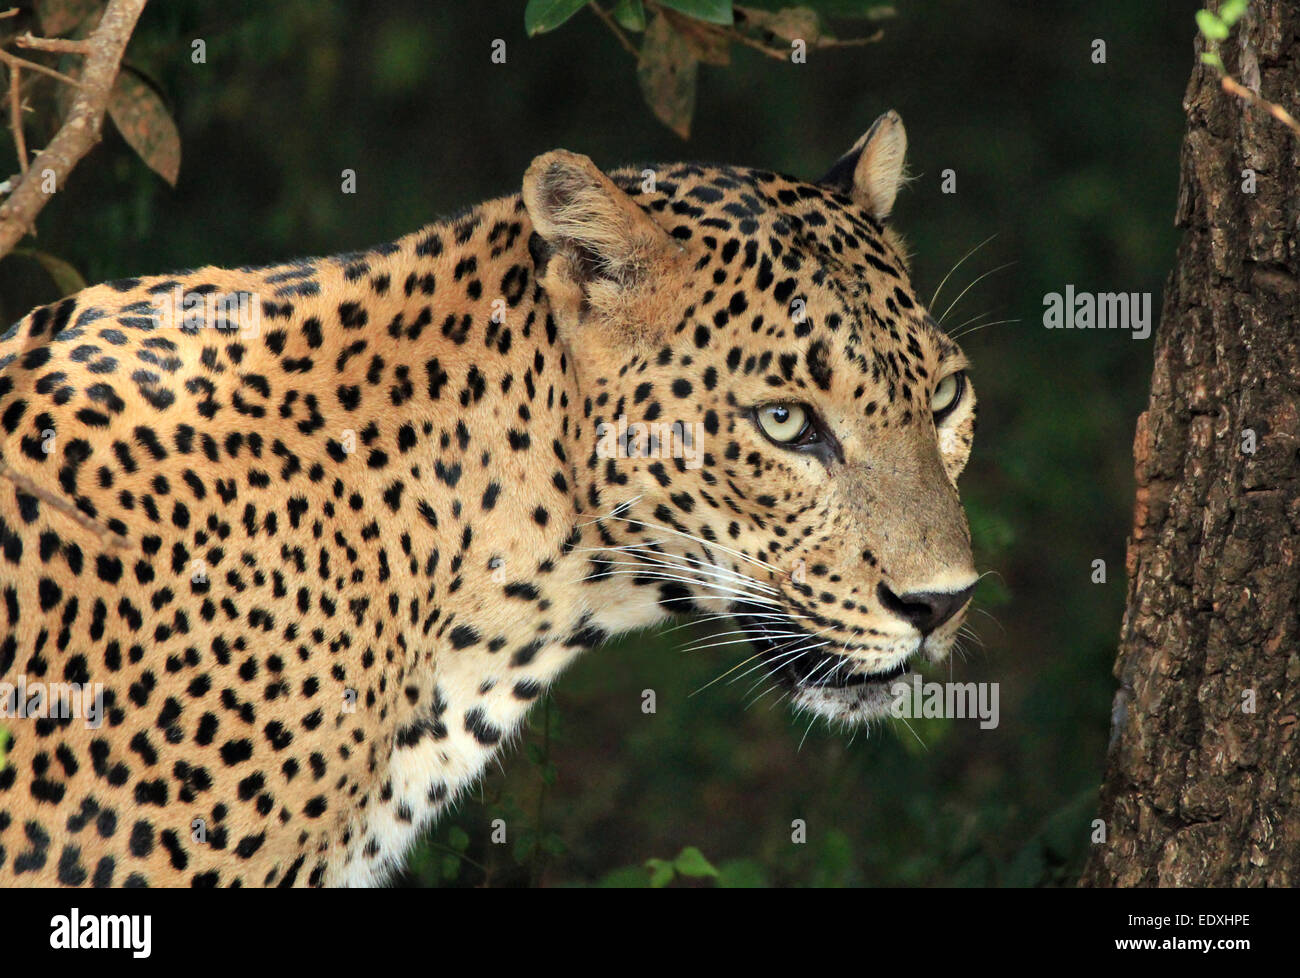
[(1071, 166)]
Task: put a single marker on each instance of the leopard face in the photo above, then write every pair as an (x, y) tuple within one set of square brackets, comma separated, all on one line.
[(783, 417)]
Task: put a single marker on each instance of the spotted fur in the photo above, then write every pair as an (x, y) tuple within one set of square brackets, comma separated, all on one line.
[(322, 568)]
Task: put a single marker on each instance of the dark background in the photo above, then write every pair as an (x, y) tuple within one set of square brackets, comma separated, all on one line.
[(1072, 165)]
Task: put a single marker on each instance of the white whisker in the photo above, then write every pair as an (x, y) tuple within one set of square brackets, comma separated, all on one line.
[(976, 329), (735, 579), (703, 542), (935, 298), (971, 286)]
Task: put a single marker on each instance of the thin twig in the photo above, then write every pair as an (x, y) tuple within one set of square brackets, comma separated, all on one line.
[(735, 35), (16, 117), (82, 128), (15, 62), (1234, 87), (60, 44), (849, 42), (613, 26), (55, 501), (775, 53)]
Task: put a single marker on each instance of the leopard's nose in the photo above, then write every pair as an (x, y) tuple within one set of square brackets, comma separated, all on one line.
[(923, 610)]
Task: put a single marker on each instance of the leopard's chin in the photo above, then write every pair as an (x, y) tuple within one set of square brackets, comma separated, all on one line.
[(848, 697), (862, 702)]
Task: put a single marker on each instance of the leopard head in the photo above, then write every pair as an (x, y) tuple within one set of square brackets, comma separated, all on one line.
[(774, 424)]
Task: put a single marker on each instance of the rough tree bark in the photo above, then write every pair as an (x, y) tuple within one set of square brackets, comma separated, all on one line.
[(1199, 791)]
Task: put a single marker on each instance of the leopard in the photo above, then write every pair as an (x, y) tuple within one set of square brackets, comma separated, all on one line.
[(288, 553)]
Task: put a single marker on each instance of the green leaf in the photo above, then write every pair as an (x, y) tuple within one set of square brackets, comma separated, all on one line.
[(458, 838), (535, 754), (1231, 10), (630, 14), (691, 862), (712, 11), (1210, 25), (145, 124), (1212, 59), (541, 16), (661, 873), (66, 278)]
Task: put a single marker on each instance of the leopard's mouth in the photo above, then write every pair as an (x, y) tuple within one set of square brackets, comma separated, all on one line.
[(801, 660), (862, 678)]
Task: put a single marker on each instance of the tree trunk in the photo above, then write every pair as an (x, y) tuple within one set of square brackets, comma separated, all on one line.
[(1202, 785)]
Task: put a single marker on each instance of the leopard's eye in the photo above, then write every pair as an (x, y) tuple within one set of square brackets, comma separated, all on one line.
[(783, 423), (947, 395)]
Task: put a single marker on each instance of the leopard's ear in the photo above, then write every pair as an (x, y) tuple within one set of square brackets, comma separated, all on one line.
[(872, 171), (594, 237)]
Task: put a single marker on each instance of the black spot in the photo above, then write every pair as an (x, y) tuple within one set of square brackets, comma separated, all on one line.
[(818, 360), (477, 723), (463, 636), (141, 839), (103, 877), (71, 872), (108, 569), (235, 751)]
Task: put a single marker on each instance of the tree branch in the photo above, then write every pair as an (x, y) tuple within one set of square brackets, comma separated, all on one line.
[(57, 44), (16, 114), (83, 126), (16, 64)]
